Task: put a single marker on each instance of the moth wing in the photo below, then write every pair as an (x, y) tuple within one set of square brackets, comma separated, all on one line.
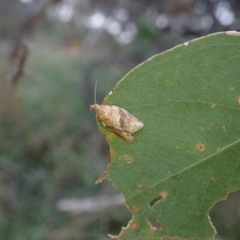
[(124, 134), (128, 122)]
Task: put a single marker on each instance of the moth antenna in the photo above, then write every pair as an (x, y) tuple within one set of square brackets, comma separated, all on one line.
[(95, 92)]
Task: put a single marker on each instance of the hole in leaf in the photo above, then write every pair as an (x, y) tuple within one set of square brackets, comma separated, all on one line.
[(225, 216), (155, 200), (154, 224), (160, 197)]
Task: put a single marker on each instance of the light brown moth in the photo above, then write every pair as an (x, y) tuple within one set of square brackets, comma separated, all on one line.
[(118, 120)]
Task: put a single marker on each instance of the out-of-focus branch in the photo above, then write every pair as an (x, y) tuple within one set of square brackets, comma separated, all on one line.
[(89, 205), (19, 55), (8, 95), (18, 71), (30, 24)]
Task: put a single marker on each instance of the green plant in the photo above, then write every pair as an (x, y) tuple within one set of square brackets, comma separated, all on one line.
[(187, 156)]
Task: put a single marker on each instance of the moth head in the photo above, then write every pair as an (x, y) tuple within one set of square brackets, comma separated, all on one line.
[(94, 107)]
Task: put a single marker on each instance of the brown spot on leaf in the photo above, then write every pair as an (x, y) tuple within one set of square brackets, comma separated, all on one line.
[(238, 99), (213, 179), (224, 128), (213, 105), (134, 226), (104, 134), (135, 208), (200, 147), (126, 158), (111, 155), (154, 224), (110, 136), (164, 194)]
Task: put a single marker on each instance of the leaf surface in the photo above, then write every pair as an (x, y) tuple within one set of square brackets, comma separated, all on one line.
[(187, 156)]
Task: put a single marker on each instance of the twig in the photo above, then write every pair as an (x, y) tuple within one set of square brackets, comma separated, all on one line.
[(18, 71), (30, 25), (90, 205)]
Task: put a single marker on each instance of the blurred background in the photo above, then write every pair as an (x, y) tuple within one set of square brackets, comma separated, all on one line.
[(51, 151)]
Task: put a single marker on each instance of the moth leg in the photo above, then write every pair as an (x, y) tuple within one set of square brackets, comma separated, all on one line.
[(123, 134)]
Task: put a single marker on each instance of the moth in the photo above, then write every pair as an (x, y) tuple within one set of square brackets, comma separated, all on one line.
[(118, 120)]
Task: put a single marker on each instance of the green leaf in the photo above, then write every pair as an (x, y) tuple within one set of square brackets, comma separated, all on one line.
[(187, 156)]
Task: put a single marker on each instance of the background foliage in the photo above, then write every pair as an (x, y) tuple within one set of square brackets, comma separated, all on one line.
[(50, 148)]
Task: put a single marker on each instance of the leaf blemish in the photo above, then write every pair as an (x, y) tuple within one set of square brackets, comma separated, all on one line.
[(126, 158), (134, 225), (200, 147), (219, 149), (154, 224), (238, 99), (213, 105), (224, 128), (213, 179), (159, 198), (135, 208)]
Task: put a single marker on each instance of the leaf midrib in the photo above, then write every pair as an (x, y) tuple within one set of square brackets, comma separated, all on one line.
[(187, 168)]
